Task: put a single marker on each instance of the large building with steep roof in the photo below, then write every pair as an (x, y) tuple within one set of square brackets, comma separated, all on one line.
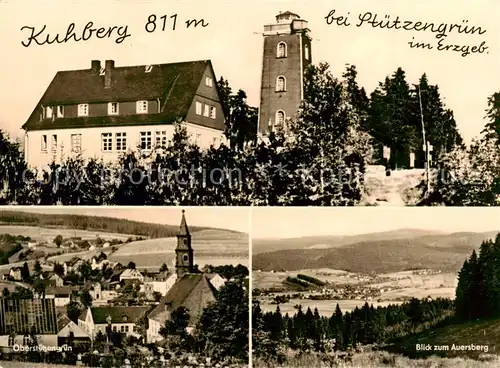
[(105, 111)]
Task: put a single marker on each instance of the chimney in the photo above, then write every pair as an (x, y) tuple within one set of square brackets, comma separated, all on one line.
[(96, 67), (108, 71)]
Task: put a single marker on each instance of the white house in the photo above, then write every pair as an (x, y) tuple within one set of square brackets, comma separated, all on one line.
[(104, 112), (60, 294), (67, 328), (131, 275), (101, 296), (160, 284), (120, 319)]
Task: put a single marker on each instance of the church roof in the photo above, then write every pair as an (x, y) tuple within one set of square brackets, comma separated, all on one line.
[(192, 291)]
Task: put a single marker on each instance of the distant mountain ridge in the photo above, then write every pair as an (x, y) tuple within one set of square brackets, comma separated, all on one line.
[(367, 253), (270, 245)]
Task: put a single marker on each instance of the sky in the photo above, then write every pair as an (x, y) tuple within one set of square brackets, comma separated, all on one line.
[(230, 218), (233, 41), (294, 222)]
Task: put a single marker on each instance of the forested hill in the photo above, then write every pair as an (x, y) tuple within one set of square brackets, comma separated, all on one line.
[(96, 223), (445, 252)]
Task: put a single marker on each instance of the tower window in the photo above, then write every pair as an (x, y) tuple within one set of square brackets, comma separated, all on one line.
[(306, 52), (281, 52), (185, 257), (280, 117), (280, 84)]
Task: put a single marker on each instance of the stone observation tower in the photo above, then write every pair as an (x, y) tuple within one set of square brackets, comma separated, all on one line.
[(287, 52)]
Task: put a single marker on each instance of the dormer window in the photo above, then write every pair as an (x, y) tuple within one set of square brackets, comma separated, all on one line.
[(60, 111), (113, 108), (142, 107), (148, 68), (83, 110), (281, 52), (206, 111), (208, 82), (48, 112), (212, 112), (280, 84)]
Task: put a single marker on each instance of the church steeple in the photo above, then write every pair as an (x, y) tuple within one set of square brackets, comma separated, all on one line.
[(184, 257)]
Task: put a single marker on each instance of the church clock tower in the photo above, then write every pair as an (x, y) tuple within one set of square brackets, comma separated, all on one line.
[(184, 258), (287, 52)]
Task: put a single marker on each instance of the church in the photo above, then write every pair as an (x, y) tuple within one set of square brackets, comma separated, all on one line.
[(192, 289)]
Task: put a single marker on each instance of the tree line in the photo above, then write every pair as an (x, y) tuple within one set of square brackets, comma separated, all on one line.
[(274, 332), (317, 159), (478, 289)]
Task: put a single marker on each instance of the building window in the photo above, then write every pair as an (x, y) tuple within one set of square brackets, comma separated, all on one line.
[(280, 84), (107, 141), (186, 258), (198, 138), (146, 140), (206, 111), (212, 112), (306, 51), (54, 142), (11, 340), (48, 112), (126, 328), (113, 108), (60, 111), (121, 141), (114, 328), (280, 118), (208, 82), (214, 141), (26, 340), (198, 108), (142, 107), (83, 110), (76, 142), (281, 52), (44, 143), (161, 139)]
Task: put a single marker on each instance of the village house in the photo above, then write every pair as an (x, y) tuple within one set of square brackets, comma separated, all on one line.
[(20, 317), (192, 290), (62, 295), (106, 110), (52, 279), (69, 332), (119, 318), (16, 273), (72, 265), (102, 295), (160, 283), (131, 276)]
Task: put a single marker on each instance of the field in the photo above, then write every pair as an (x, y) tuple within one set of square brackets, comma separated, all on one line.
[(215, 247), (384, 359), (394, 288), (48, 234)]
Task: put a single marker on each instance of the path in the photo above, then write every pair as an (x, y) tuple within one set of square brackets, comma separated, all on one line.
[(399, 189)]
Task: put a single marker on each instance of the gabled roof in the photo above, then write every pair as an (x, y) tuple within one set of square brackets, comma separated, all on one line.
[(60, 291), (118, 314), (131, 273), (174, 84), (192, 291)]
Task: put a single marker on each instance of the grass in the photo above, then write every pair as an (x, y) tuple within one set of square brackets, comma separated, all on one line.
[(381, 359), (478, 333)]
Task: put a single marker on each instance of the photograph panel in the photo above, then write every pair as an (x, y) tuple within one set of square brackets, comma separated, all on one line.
[(233, 103), (375, 287), (124, 287)]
